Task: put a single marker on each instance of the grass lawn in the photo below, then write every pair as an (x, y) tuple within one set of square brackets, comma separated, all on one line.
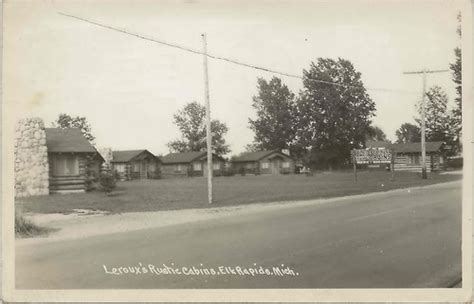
[(184, 193)]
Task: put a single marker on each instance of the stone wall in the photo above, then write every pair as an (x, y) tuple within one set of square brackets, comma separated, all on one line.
[(31, 158)]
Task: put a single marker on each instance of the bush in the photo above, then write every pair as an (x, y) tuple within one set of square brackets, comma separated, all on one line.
[(228, 172), (91, 173), (117, 175), (107, 181), (91, 181)]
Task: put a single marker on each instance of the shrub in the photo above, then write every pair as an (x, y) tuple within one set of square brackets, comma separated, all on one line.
[(228, 172), (117, 175), (107, 181), (89, 184), (91, 173), (91, 181)]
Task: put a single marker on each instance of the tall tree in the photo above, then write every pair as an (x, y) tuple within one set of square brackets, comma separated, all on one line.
[(191, 121), (408, 133), (333, 118), (274, 126), (456, 113), (375, 133), (66, 121), (436, 115)]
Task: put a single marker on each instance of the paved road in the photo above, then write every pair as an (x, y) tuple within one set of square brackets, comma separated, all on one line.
[(390, 240)]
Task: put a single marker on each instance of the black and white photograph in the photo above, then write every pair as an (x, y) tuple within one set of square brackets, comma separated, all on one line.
[(204, 150)]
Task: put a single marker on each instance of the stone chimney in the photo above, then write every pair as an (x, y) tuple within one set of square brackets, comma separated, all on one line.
[(31, 158)]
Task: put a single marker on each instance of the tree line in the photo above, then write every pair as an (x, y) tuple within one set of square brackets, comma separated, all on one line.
[(322, 123)]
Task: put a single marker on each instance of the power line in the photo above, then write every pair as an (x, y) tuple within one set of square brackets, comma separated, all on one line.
[(233, 61)]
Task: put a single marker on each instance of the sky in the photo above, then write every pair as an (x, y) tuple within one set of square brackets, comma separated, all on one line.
[(129, 88)]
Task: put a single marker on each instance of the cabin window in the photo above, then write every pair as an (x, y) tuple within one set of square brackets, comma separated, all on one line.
[(119, 167), (415, 159), (265, 165), (249, 165), (151, 166), (65, 165), (177, 168), (285, 164), (216, 166), (136, 167), (197, 167)]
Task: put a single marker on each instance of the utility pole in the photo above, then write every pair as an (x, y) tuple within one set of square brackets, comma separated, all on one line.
[(423, 136), (208, 121)]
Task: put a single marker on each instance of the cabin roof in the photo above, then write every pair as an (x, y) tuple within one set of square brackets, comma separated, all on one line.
[(67, 140), (255, 156), (124, 156), (415, 147), (185, 157), (378, 143)]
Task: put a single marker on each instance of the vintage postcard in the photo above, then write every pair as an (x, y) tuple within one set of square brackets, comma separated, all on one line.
[(204, 150)]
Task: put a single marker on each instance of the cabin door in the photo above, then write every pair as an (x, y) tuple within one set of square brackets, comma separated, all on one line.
[(276, 164), (143, 171), (204, 168)]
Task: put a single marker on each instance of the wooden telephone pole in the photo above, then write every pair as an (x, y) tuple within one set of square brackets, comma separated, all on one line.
[(208, 121), (423, 137)]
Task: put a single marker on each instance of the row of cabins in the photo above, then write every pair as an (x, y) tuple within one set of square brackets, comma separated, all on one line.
[(72, 158), (142, 164)]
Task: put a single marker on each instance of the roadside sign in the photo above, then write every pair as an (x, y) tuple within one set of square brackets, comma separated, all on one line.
[(372, 156)]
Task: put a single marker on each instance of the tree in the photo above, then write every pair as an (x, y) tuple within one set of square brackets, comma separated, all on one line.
[(375, 133), (456, 113), (408, 133), (66, 121), (333, 119), (274, 126), (191, 121), (436, 115)]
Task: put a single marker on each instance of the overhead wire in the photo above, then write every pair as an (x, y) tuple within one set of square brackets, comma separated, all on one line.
[(229, 60)]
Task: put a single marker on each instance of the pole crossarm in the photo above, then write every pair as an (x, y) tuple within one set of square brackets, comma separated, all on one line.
[(426, 71)]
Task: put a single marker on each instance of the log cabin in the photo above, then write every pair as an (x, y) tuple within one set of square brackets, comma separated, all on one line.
[(263, 162), (136, 164), (72, 159), (408, 156), (190, 164)]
